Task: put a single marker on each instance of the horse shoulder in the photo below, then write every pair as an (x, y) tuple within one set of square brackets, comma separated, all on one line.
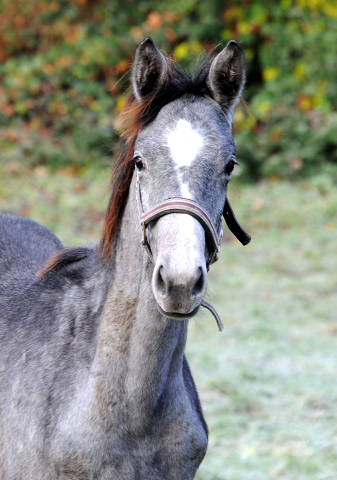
[(25, 247), (48, 347)]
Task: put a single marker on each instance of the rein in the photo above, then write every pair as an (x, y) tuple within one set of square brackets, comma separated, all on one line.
[(213, 235)]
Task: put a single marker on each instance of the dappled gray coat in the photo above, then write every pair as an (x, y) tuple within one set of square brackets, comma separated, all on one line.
[(93, 379)]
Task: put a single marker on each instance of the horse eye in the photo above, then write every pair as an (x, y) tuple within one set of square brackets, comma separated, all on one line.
[(230, 166), (139, 163)]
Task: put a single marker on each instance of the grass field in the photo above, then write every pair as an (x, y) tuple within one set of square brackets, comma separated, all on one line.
[(268, 382)]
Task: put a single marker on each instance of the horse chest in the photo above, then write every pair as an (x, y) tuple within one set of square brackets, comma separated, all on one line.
[(151, 458), (170, 448)]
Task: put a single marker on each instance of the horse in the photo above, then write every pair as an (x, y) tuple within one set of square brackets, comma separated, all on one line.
[(94, 383)]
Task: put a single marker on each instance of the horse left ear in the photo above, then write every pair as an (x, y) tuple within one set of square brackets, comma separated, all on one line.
[(226, 77), (149, 69)]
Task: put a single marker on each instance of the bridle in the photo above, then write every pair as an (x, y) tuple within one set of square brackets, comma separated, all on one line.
[(213, 235)]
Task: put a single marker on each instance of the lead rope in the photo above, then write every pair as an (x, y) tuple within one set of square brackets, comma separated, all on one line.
[(214, 313), (146, 245)]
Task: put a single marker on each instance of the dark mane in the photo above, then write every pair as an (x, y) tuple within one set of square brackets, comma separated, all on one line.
[(134, 116)]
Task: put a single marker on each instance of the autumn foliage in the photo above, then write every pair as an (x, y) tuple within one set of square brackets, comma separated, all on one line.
[(64, 64)]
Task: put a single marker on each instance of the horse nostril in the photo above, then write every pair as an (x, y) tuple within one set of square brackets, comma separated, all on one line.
[(199, 283), (160, 282)]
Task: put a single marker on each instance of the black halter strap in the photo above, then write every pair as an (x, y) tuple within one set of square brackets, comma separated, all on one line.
[(234, 225)]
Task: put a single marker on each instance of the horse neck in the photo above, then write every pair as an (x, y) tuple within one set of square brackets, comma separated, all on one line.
[(140, 352)]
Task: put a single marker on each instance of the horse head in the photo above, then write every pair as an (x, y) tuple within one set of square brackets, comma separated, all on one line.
[(184, 154)]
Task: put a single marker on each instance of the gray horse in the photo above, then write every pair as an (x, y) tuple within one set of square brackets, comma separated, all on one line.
[(94, 383)]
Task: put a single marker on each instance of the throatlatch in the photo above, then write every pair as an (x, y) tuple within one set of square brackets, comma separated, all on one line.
[(213, 236)]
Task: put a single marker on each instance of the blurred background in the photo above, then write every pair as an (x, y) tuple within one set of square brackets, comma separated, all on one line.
[(63, 82), (268, 383)]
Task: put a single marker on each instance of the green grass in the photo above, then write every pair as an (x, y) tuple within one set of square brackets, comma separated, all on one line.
[(268, 382), (68, 202)]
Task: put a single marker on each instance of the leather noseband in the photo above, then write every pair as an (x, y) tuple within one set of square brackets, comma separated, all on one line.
[(184, 205)]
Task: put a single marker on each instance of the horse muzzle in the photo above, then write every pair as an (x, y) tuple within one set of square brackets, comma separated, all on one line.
[(178, 289)]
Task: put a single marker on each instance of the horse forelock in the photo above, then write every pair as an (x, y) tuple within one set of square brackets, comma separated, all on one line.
[(134, 116)]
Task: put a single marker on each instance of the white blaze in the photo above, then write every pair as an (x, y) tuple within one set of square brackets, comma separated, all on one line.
[(184, 143)]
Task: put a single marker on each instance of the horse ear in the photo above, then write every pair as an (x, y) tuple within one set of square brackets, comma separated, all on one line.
[(149, 69), (226, 76)]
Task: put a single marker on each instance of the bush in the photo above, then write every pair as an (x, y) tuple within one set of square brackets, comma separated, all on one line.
[(63, 78)]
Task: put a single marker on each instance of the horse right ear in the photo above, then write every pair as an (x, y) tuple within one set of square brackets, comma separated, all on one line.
[(226, 77), (149, 69)]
